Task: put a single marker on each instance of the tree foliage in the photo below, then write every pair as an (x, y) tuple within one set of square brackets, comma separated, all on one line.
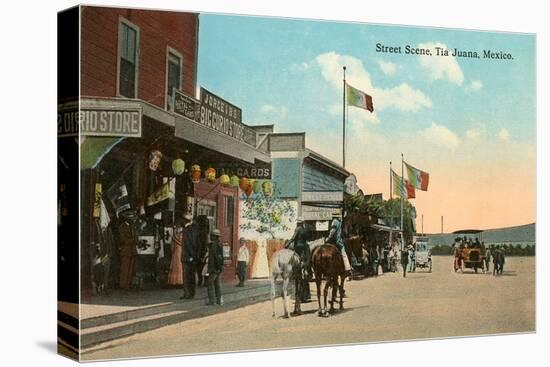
[(268, 215), (388, 210)]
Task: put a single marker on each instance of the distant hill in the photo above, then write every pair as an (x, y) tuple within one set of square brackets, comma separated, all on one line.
[(524, 234)]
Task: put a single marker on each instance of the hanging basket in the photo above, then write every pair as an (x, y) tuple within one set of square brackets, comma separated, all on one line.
[(257, 186), (244, 183), (195, 173), (178, 166), (225, 180), (235, 181), (154, 160), (267, 186), (210, 175)]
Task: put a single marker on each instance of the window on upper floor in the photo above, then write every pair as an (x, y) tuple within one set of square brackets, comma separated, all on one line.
[(174, 62), (128, 59)]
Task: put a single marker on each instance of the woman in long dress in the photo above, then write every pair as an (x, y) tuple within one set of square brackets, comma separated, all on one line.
[(175, 275)]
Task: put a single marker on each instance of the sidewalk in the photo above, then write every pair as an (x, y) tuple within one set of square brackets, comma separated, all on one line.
[(123, 313)]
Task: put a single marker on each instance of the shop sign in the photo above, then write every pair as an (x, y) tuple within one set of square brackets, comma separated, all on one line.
[(262, 172), (67, 119), (224, 117), (318, 213), (110, 122), (350, 185), (323, 196), (186, 106), (321, 225)]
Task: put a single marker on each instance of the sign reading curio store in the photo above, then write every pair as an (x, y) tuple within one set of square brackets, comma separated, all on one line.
[(115, 122), (94, 121)]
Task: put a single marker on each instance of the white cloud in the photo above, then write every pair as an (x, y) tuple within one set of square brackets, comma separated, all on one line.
[(402, 97), (355, 115), (440, 67), (476, 133), (274, 113), (475, 85), (388, 68), (266, 108), (440, 135), (503, 134), (299, 67)]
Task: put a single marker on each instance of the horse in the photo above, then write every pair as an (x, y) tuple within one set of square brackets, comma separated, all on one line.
[(286, 265), (328, 263)]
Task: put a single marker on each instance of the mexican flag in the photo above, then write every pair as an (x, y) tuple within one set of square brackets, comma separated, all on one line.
[(359, 99), (407, 190), (418, 178)]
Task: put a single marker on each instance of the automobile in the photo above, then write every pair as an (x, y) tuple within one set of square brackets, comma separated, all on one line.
[(472, 254), (423, 254)]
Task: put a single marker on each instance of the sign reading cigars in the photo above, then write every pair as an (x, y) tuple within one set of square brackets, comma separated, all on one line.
[(214, 113)]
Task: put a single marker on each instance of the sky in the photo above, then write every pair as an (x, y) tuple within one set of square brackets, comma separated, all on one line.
[(470, 123)]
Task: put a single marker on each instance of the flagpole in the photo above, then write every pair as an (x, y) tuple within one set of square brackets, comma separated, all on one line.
[(344, 122), (403, 189)]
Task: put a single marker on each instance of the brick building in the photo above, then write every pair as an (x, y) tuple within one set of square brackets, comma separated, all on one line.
[(139, 119), (138, 53)]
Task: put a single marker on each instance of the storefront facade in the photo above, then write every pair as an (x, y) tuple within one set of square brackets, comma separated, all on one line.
[(313, 181), (148, 146)]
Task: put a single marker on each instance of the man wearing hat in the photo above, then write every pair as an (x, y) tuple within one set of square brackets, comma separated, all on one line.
[(404, 260), (302, 249), (335, 237), (214, 269), (127, 250), (412, 252), (242, 262), (190, 257)]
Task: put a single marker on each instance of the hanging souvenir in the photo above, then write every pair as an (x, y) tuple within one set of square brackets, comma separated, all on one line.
[(243, 183), (235, 181), (195, 173), (267, 186), (210, 175), (225, 180), (178, 166), (154, 160), (248, 190), (257, 186)]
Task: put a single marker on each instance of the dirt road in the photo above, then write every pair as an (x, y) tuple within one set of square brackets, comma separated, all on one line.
[(389, 307)]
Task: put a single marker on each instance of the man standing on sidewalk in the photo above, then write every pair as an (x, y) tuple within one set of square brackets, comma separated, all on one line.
[(190, 257), (242, 262), (215, 268), (127, 250)]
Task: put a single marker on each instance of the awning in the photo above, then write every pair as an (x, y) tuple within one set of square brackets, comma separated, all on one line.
[(94, 148), (184, 129), (209, 138)]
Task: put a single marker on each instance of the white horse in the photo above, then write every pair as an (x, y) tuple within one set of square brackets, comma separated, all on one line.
[(284, 265)]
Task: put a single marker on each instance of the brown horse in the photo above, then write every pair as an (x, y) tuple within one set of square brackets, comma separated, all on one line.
[(328, 264)]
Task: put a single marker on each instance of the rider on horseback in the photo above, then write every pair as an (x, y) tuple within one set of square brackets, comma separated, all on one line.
[(301, 246), (335, 238)]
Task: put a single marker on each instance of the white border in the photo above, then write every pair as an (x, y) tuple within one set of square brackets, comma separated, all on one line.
[(29, 297)]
